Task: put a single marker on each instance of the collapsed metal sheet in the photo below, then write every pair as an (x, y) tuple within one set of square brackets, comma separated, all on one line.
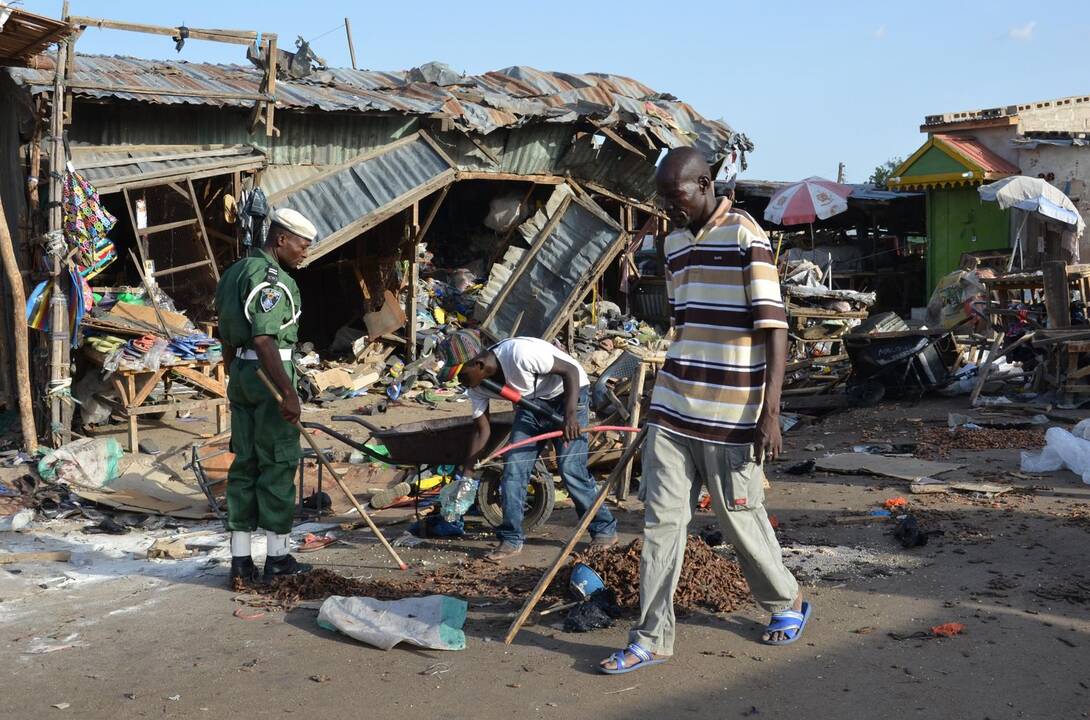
[(345, 201), (111, 169), (572, 240)]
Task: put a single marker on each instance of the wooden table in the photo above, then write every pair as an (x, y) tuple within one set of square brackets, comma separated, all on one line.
[(134, 387)]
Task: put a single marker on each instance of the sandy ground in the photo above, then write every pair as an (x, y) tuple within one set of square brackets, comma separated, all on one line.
[(111, 636)]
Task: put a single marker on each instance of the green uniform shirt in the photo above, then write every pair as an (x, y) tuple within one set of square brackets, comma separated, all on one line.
[(256, 297)]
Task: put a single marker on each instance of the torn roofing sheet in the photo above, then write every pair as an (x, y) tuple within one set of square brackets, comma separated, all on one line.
[(511, 97)]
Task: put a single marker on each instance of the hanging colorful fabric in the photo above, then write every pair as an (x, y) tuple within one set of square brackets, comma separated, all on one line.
[(86, 223)]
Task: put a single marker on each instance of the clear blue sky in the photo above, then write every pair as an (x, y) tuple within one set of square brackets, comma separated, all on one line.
[(812, 83)]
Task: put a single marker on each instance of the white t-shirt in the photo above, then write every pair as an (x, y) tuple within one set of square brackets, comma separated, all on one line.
[(526, 364)]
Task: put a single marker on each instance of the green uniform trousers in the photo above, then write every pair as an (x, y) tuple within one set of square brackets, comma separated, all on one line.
[(261, 481)]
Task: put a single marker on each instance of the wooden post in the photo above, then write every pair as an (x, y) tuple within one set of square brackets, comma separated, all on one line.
[(412, 229), (1057, 295), (351, 47), (270, 88), (635, 401), (60, 411), (22, 353)]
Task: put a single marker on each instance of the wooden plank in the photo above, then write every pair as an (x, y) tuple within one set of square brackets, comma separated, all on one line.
[(422, 231), (1057, 294), (270, 89), (238, 37), (148, 387), (204, 234), (635, 404), (539, 179), (164, 227), (201, 380), (182, 268), (181, 406)]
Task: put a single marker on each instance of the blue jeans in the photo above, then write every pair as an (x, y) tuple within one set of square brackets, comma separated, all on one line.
[(571, 460)]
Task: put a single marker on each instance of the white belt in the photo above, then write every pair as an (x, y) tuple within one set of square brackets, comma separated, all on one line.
[(285, 354)]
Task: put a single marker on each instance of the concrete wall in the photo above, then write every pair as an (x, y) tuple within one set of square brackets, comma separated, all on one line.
[(1071, 167), (1067, 115)]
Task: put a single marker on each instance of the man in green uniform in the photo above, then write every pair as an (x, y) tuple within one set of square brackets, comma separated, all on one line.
[(259, 307)]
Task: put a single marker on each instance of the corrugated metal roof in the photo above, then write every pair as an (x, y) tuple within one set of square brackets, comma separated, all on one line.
[(507, 98), (381, 181), (24, 34), (562, 263), (860, 191), (109, 171), (979, 154)]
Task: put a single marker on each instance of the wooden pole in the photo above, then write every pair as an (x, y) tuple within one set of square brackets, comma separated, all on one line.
[(336, 476), (18, 325), (543, 583), (351, 47), (59, 341)]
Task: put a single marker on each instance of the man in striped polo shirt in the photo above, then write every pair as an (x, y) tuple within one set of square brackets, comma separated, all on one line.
[(714, 415)]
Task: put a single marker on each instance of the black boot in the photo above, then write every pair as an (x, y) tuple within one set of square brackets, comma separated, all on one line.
[(283, 565), (243, 568)]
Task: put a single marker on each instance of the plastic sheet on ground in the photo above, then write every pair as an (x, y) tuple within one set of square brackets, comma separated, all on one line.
[(434, 622), (1063, 449)]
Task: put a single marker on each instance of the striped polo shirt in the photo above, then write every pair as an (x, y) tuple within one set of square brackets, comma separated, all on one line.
[(722, 285)]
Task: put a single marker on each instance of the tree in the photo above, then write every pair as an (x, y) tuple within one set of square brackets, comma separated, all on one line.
[(884, 172)]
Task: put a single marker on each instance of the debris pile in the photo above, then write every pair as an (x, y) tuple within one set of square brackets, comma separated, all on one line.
[(938, 442), (603, 332), (708, 581), (474, 579)]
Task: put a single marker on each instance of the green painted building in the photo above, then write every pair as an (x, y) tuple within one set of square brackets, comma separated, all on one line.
[(950, 169)]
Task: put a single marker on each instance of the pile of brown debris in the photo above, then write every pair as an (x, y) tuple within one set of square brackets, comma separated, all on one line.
[(709, 581), (938, 442)]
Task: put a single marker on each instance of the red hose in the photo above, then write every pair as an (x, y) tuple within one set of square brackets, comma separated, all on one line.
[(554, 434)]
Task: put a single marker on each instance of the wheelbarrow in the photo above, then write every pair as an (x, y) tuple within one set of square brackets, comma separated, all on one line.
[(441, 444)]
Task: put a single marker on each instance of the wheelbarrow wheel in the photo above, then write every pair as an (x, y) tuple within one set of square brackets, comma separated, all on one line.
[(540, 499)]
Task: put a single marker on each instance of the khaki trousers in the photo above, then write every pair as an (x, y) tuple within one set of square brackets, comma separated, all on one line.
[(674, 469)]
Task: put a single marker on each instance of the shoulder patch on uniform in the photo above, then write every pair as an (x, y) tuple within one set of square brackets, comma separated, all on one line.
[(272, 275), (268, 298)]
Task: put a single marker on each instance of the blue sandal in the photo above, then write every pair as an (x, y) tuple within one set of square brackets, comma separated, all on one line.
[(643, 659), (790, 623)]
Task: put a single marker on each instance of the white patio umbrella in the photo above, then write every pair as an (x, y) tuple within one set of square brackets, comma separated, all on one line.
[(1033, 195)]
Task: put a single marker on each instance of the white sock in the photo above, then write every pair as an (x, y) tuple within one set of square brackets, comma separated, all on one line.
[(240, 544), (277, 545)]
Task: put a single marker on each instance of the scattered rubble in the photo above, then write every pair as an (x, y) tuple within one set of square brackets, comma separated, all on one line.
[(938, 442), (708, 580)]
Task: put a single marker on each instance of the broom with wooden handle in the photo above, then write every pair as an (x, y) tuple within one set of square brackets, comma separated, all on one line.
[(336, 476)]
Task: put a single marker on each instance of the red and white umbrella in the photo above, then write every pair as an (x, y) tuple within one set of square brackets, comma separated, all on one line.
[(807, 201)]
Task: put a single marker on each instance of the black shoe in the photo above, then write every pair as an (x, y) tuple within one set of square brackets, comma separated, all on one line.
[(283, 565), (243, 568)]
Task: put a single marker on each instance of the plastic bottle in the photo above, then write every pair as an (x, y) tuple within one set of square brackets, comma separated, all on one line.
[(457, 498)]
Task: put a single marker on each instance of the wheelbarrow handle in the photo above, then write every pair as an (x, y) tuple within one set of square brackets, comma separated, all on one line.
[(358, 420), (354, 444)]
